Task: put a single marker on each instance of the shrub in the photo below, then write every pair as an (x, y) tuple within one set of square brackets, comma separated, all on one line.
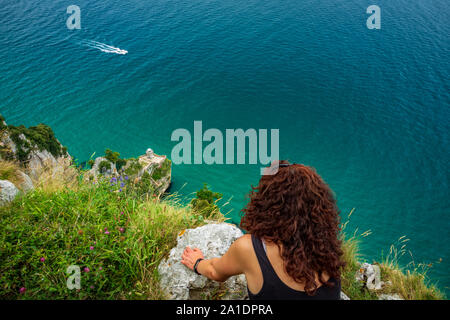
[(205, 202), (112, 155), (133, 167), (145, 186), (161, 171), (120, 163), (104, 166), (41, 136)]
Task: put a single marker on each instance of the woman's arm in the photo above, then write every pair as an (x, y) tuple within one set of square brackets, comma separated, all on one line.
[(218, 269)]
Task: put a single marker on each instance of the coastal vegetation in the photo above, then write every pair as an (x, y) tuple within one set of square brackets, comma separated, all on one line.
[(41, 136), (118, 240), (117, 230), (104, 166), (133, 167), (205, 202), (162, 170), (2, 122), (112, 158), (398, 280), (10, 171)]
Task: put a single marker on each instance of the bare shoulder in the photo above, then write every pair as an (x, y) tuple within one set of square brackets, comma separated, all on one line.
[(245, 253), (244, 244)]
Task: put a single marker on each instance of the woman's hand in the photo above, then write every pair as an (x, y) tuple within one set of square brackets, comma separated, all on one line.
[(190, 256)]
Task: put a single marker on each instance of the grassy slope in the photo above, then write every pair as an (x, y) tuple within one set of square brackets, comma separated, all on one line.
[(410, 285), (82, 226)]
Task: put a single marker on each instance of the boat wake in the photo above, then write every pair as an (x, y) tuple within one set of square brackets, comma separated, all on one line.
[(103, 47)]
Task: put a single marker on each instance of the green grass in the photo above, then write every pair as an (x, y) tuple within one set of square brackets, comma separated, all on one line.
[(350, 286), (205, 202), (409, 284), (62, 226)]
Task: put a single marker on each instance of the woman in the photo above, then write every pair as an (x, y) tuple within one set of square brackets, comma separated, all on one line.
[(291, 250)]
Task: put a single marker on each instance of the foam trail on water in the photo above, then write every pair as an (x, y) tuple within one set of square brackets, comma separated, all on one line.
[(103, 47)]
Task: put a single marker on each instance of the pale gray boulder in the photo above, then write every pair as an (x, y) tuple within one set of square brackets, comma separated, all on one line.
[(42, 160), (344, 296), (26, 184), (181, 283), (394, 296), (8, 192), (370, 276)]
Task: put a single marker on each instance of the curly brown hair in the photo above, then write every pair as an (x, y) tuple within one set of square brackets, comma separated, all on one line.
[(296, 210)]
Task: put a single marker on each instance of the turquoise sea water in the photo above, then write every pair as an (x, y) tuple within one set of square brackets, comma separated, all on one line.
[(368, 108)]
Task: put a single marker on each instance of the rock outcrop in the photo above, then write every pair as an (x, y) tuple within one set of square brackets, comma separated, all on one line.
[(8, 192), (180, 283), (103, 166), (394, 296), (369, 275), (153, 172), (41, 154), (40, 160), (36, 148)]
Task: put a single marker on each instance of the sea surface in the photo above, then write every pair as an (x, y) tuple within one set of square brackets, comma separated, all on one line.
[(369, 109)]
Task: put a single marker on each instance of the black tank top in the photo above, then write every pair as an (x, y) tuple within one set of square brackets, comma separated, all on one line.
[(275, 289)]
